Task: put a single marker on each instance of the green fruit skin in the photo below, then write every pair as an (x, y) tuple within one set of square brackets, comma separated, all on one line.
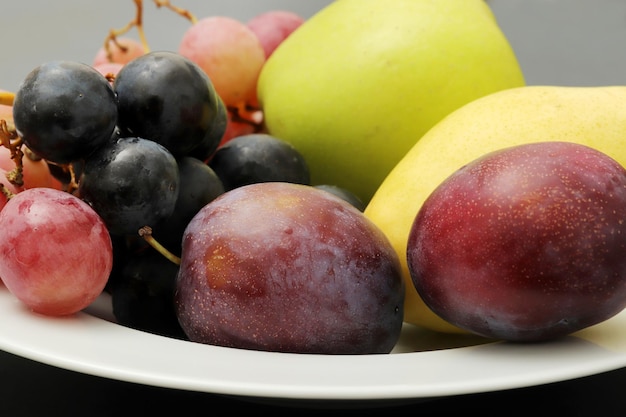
[(360, 82)]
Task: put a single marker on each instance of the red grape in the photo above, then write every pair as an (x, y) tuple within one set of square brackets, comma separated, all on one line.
[(236, 128), (55, 251), (35, 171), (133, 49), (229, 52), (273, 27)]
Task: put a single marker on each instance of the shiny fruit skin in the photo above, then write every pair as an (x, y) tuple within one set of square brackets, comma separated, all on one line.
[(526, 243), (131, 183), (258, 157), (55, 251), (167, 98), (286, 267), (64, 111), (229, 53), (593, 116)]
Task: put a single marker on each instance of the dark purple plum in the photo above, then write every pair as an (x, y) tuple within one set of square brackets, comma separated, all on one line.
[(288, 268), (524, 244)]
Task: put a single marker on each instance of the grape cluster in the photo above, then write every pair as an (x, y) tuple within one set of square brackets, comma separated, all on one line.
[(146, 139)]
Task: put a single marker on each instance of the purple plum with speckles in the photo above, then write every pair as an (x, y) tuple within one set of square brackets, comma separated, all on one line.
[(288, 268), (524, 244)]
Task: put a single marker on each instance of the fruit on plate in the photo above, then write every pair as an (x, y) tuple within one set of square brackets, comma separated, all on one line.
[(286, 267), (131, 183), (64, 110), (273, 27), (122, 50), (167, 98), (55, 251), (525, 243), (258, 157), (358, 83), (593, 116), (229, 52)]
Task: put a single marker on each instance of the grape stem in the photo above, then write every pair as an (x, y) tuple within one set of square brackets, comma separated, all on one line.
[(183, 12), (244, 114), (6, 192), (72, 184), (10, 139), (146, 233), (137, 23)]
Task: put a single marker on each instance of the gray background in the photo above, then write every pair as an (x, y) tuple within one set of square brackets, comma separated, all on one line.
[(559, 42)]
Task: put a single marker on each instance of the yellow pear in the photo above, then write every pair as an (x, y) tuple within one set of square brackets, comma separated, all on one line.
[(592, 116), (356, 85)]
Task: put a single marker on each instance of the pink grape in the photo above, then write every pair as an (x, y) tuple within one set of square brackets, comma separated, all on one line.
[(55, 251), (229, 52), (134, 49), (35, 171), (106, 68), (273, 27)]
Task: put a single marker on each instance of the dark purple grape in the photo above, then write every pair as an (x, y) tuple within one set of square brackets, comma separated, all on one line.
[(143, 294), (199, 185), (131, 183), (209, 145), (167, 98), (259, 157), (64, 110)]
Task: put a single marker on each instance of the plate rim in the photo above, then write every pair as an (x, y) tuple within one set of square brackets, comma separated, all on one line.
[(19, 336)]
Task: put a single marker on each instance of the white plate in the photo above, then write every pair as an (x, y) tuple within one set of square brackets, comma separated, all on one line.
[(423, 365)]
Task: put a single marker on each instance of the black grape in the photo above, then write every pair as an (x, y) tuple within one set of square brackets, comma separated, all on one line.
[(258, 157), (344, 194), (130, 183), (205, 150), (199, 185), (142, 294), (64, 110), (167, 98)]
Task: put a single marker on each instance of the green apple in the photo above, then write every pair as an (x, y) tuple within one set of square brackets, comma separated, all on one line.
[(355, 86), (592, 116)]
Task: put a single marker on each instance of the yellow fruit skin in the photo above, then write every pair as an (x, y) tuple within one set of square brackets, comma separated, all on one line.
[(593, 116), (361, 81)]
